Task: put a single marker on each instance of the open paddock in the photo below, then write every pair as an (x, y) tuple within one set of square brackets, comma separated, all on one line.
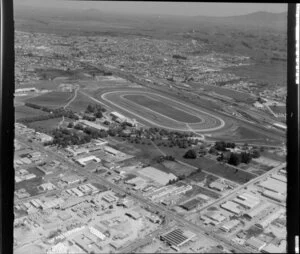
[(231, 173), (24, 111), (52, 99)]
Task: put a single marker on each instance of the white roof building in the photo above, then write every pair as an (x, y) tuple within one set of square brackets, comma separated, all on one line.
[(231, 207), (269, 218), (255, 243), (257, 210), (228, 226), (84, 160), (274, 185), (157, 175), (247, 200)]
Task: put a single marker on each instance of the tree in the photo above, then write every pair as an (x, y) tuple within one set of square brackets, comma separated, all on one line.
[(234, 159), (190, 154), (245, 157), (255, 154)]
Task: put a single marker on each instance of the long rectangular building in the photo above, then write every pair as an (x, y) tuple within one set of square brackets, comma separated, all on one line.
[(177, 237), (157, 175)]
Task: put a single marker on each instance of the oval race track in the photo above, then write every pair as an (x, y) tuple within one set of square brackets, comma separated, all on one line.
[(162, 111)]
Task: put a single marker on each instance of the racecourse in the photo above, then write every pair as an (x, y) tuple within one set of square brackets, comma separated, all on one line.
[(161, 111)]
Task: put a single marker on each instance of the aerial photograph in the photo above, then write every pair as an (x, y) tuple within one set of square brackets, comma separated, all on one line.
[(150, 127)]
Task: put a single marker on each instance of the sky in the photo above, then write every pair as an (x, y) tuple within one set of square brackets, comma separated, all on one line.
[(160, 8)]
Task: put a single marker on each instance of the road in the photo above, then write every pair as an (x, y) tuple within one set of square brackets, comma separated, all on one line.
[(160, 208), (163, 210)]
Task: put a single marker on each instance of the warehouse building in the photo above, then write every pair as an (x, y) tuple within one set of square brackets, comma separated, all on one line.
[(247, 200), (133, 214), (272, 248), (97, 231), (231, 207), (274, 195), (83, 161), (257, 210), (109, 197), (217, 186), (281, 178), (177, 237), (269, 218), (76, 152), (190, 205), (255, 243), (273, 185), (228, 226), (215, 218), (157, 175)]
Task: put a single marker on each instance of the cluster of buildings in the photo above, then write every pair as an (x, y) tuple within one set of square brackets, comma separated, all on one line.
[(31, 133)]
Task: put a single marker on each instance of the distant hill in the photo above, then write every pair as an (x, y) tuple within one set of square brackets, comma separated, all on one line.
[(277, 21)]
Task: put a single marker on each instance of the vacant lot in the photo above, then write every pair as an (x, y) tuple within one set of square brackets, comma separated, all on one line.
[(23, 111), (52, 99), (230, 173)]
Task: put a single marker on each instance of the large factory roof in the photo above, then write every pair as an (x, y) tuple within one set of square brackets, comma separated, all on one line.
[(274, 185), (157, 175)]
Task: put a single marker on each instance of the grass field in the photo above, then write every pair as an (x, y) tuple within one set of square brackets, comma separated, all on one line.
[(161, 111), (230, 173), (163, 108), (24, 111), (52, 99), (273, 73), (80, 103), (46, 125)]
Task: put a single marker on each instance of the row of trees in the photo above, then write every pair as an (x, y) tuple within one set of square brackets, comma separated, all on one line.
[(53, 113), (63, 137)]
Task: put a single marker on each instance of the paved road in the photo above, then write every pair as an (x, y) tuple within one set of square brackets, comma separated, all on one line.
[(164, 210)]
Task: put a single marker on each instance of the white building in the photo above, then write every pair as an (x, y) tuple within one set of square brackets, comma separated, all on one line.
[(83, 161)]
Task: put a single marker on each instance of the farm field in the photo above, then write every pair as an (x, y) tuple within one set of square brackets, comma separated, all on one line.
[(24, 111), (273, 73), (165, 118), (40, 84), (52, 99), (231, 173)]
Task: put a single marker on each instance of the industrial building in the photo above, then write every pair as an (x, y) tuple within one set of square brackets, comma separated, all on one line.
[(231, 207), (109, 197), (133, 214), (228, 226), (217, 186), (272, 248), (191, 204), (86, 244), (257, 210), (269, 218), (94, 125), (281, 178), (255, 243), (215, 217), (274, 185), (177, 237), (71, 179), (83, 161), (274, 195), (117, 115), (97, 231), (76, 152), (247, 200), (157, 175)]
